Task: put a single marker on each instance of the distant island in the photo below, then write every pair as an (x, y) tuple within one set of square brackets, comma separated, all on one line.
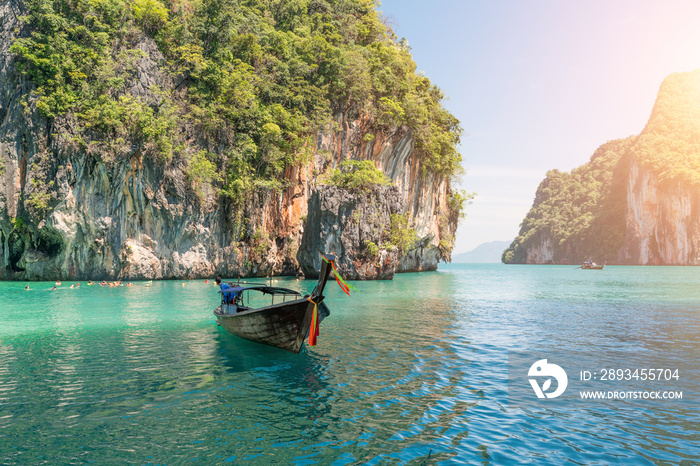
[(484, 253), (637, 201)]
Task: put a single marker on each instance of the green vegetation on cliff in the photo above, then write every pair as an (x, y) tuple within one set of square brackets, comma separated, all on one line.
[(249, 82), (357, 175), (581, 214), (670, 144)]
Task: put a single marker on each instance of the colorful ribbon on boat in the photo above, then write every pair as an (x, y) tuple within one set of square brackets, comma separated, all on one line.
[(345, 286), (315, 324)]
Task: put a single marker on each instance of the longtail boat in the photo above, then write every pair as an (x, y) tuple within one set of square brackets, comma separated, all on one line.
[(590, 265), (286, 322)]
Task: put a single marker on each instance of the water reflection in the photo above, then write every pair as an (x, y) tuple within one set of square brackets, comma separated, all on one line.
[(8, 384)]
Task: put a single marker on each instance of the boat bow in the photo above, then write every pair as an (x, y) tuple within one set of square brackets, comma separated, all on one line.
[(326, 268)]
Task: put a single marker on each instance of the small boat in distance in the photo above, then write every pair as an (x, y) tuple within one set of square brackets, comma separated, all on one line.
[(590, 265), (284, 324)]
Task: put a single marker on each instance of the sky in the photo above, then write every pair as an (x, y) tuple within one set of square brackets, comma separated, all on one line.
[(540, 84)]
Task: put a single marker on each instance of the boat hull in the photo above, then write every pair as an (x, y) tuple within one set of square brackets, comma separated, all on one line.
[(284, 325)]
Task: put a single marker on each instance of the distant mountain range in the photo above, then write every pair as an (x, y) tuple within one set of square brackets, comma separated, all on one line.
[(487, 252)]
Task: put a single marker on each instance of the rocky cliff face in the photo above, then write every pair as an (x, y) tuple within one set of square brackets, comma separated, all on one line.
[(423, 196), (663, 221), (340, 222), (643, 209), (64, 213), (542, 251)]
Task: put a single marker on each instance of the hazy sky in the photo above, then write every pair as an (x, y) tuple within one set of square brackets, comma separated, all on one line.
[(540, 84)]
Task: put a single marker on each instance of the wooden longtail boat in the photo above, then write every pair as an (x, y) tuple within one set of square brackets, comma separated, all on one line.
[(592, 266), (285, 324)]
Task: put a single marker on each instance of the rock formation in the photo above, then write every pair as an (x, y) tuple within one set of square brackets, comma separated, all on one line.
[(663, 221), (65, 213), (636, 202)]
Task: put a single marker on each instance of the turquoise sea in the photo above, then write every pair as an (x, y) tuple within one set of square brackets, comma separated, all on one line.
[(409, 371)]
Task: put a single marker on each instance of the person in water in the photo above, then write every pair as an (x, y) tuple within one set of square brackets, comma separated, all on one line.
[(26, 287)]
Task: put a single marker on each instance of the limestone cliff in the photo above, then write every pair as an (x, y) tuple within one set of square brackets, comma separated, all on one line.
[(67, 213), (662, 214), (636, 202), (663, 221), (339, 221), (423, 196)]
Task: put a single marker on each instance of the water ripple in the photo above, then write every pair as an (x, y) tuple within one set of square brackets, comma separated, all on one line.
[(403, 374)]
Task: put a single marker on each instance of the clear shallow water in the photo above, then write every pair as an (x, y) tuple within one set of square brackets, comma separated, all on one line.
[(412, 371)]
